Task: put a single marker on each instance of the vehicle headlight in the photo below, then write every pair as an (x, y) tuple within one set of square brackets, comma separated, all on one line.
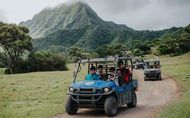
[(71, 89), (106, 90)]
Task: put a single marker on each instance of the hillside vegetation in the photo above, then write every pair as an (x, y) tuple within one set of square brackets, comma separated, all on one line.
[(175, 43), (64, 26)]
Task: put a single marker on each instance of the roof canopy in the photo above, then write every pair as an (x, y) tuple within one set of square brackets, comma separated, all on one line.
[(155, 60), (107, 59)]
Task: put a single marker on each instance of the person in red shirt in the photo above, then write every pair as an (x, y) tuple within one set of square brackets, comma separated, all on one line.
[(124, 73)]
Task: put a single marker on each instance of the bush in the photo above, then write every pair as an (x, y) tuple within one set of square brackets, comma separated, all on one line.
[(40, 61), (47, 61), (22, 66)]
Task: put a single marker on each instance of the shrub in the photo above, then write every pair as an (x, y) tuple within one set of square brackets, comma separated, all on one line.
[(40, 61), (47, 61)]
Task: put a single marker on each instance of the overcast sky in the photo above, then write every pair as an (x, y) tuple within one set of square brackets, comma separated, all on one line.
[(137, 14)]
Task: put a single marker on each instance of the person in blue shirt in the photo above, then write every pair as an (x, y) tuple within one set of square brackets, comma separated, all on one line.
[(92, 75)]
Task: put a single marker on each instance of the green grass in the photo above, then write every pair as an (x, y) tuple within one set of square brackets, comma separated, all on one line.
[(34, 95), (43, 94), (2, 71), (179, 68)]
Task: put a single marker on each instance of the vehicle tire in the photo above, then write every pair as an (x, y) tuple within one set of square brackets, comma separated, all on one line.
[(160, 77), (70, 107), (110, 106), (145, 78), (134, 100)]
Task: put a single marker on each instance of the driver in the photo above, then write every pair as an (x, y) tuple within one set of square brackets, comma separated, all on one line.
[(92, 75), (100, 72)]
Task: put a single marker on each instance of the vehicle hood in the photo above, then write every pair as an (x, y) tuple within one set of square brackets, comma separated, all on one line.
[(93, 84), (152, 69)]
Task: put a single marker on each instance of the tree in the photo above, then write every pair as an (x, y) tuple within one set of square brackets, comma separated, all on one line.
[(47, 61), (144, 47), (75, 53), (111, 50), (176, 43), (14, 41)]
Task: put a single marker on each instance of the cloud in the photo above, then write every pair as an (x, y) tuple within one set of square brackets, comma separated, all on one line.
[(22, 10), (144, 14), (137, 14), (2, 16)]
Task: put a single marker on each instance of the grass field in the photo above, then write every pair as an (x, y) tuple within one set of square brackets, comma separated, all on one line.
[(43, 94), (2, 71), (34, 95), (179, 68)]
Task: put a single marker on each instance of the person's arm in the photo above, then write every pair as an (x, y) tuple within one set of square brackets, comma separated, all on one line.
[(129, 70)]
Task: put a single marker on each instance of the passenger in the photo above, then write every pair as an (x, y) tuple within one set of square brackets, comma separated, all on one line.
[(128, 76), (112, 74), (100, 72), (92, 75), (124, 74)]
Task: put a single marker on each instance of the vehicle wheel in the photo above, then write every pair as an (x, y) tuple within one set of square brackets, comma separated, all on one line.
[(70, 106), (110, 106), (145, 78), (160, 77), (134, 100)]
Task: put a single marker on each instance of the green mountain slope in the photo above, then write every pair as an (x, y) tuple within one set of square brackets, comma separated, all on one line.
[(77, 24), (175, 43)]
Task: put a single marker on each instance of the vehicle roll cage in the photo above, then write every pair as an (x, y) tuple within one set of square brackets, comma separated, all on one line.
[(152, 63), (104, 61)]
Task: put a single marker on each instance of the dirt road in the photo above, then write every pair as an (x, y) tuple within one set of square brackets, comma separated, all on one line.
[(152, 97)]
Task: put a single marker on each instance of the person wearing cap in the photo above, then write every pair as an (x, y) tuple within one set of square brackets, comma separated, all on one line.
[(100, 72), (92, 75), (123, 73)]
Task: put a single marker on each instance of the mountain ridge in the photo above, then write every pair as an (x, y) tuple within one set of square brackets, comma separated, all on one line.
[(73, 16), (77, 24)]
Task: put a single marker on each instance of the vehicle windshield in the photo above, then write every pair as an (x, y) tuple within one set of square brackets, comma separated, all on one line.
[(103, 70), (152, 64), (80, 72), (106, 71)]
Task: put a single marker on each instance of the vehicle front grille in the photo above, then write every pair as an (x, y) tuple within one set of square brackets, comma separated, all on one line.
[(152, 74), (86, 90), (89, 91), (87, 94)]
